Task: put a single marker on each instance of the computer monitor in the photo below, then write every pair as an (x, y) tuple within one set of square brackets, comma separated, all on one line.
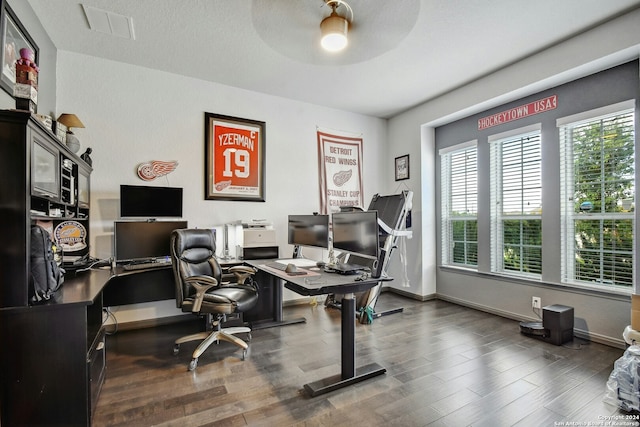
[(142, 240), (143, 201), (356, 232), (309, 230)]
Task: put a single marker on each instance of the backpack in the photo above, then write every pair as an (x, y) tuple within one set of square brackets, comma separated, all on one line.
[(46, 276)]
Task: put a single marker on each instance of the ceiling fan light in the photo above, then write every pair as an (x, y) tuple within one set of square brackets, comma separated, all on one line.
[(334, 33)]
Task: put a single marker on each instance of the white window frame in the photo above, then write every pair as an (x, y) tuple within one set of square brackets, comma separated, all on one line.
[(497, 217), (448, 244), (568, 214)]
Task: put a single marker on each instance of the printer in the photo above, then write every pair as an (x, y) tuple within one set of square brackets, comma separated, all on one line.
[(258, 240)]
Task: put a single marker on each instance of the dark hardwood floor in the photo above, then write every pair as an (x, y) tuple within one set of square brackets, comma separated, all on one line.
[(447, 365)]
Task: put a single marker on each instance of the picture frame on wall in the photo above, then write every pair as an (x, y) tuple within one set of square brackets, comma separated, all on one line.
[(14, 37), (402, 167), (234, 158)]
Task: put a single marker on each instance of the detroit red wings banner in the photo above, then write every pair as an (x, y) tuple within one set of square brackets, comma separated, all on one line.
[(340, 164)]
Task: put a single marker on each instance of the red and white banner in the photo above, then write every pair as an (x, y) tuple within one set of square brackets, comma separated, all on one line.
[(520, 112), (340, 164)]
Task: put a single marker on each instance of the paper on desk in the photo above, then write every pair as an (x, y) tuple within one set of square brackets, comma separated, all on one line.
[(298, 262), (305, 273)]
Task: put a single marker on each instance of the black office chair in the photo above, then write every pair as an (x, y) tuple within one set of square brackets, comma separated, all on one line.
[(202, 289)]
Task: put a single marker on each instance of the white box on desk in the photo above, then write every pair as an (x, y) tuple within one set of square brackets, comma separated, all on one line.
[(258, 237)]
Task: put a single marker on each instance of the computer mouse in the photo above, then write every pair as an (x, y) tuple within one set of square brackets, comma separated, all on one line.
[(290, 268)]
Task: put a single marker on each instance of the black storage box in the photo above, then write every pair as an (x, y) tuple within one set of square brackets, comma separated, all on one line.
[(558, 320)]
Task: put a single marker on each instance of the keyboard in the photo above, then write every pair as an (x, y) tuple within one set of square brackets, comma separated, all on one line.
[(146, 265), (277, 265)]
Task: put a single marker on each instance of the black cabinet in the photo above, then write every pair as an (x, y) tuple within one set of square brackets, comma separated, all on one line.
[(52, 361), (42, 182)]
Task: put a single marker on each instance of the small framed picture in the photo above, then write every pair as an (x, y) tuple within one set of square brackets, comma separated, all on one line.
[(402, 167), (14, 37)]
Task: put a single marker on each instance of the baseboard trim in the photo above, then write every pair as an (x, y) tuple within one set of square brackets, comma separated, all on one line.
[(579, 333), (599, 338), (411, 295), (303, 301)]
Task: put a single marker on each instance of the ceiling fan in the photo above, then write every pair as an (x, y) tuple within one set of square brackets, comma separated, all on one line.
[(295, 29), (335, 28)]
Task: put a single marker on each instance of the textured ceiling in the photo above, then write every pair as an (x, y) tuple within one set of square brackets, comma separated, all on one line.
[(401, 52)]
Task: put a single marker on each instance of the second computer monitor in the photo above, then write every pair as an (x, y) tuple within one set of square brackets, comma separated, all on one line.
[(309, 230), (143, 240), (356, 232)]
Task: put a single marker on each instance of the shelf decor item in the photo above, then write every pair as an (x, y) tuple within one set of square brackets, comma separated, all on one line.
[(71, 121), (25, 91)]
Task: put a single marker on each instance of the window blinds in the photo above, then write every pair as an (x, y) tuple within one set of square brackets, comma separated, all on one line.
[(598, 199), (459, 191), (516, 200)]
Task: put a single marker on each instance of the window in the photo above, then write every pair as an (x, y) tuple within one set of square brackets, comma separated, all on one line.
[(516, 203), (598, 196), (459, 223)]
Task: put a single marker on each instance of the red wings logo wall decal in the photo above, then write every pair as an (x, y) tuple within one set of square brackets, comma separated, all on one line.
[(153, 169)]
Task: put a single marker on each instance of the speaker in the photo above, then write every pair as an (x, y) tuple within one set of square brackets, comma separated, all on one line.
[(376, 266)]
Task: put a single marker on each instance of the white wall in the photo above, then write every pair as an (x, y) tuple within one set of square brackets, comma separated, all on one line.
[(607, 45), (134, 114)]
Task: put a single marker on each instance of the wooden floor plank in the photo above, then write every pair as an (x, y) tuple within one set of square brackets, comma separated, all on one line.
[(447, 365)]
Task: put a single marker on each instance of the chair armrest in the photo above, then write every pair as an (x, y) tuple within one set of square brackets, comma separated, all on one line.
[(201, 284), (242, 269), (242, 272)]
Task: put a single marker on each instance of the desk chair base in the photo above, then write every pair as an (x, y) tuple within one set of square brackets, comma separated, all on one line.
[(209, 337)]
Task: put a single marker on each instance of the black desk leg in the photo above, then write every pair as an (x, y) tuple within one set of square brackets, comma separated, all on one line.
[(348, 337), (350, 374), (276, 307)]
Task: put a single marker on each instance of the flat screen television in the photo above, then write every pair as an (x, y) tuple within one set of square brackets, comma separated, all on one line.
[(143, 240), (356, 232), (308, 230), (142, 201)]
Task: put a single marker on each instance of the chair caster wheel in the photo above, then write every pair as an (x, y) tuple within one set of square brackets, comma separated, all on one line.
[(193, 364), (249, 336), (176, 349)]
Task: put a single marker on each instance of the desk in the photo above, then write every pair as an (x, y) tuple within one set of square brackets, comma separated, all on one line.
[(157, 284), (53, 360), (139, 286), (333, 283)]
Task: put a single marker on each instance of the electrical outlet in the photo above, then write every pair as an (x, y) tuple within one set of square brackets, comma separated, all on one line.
[(536, 302)]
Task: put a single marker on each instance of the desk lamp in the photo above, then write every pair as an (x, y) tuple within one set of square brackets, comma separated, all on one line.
[(71, 121)]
